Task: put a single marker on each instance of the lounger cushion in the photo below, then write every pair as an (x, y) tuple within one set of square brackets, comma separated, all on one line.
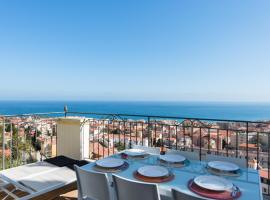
[(63, 161)]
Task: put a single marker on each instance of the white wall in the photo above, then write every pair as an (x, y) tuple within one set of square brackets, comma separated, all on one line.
[(73, 137)]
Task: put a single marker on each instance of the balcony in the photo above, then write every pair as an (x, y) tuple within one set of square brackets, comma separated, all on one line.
[(33, 137)]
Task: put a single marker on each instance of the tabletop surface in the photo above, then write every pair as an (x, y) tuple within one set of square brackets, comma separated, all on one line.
[(248, 182)]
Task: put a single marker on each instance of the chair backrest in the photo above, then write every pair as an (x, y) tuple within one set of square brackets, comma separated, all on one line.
[(190, 155), (93, 185), (177, 195), (153, 150), (241, 162), (133, 190)]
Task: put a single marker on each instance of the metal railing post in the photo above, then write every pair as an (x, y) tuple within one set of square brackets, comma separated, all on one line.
[(200, 152), (247, 143), (3, 145), (191, 136), (208, 140), (268, 162), (258, 154), (218, 142), (176, 137), (11, 145), (148, 132), (65, 110)]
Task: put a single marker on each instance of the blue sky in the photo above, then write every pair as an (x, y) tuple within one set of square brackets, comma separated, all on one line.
[(172, 50)]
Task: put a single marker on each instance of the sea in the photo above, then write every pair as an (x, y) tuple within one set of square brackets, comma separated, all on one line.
[(213, 110)]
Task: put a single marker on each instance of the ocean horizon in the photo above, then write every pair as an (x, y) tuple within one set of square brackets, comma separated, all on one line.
[(215, 110)]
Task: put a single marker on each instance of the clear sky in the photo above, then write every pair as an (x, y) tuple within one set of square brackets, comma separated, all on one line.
[(192, 50)]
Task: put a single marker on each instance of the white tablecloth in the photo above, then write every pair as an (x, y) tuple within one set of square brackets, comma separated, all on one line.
[(248, 182)]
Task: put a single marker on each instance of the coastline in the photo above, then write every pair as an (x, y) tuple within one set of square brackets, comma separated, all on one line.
[(216, 110)]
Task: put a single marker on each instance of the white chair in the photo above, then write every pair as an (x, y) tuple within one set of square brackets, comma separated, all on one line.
[(190, 155), (177, 195), (92, 185), (242, 163), (132, 190)]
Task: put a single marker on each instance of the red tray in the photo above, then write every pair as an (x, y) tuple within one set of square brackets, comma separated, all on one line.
[(224, 195), (153, 180)]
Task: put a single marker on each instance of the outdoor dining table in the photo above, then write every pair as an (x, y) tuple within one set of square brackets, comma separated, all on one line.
[(248, 182)]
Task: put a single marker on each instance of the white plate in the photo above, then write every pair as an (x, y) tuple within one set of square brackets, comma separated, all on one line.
[(110, 162), (223, 166), (172, 158), (214, 183), (135, 152), (153, 171)]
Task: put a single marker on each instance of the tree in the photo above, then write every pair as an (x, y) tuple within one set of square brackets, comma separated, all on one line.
[(120, 146), (116, 131)]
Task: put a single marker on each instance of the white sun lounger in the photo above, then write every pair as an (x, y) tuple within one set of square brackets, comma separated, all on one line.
[(38, 179)]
